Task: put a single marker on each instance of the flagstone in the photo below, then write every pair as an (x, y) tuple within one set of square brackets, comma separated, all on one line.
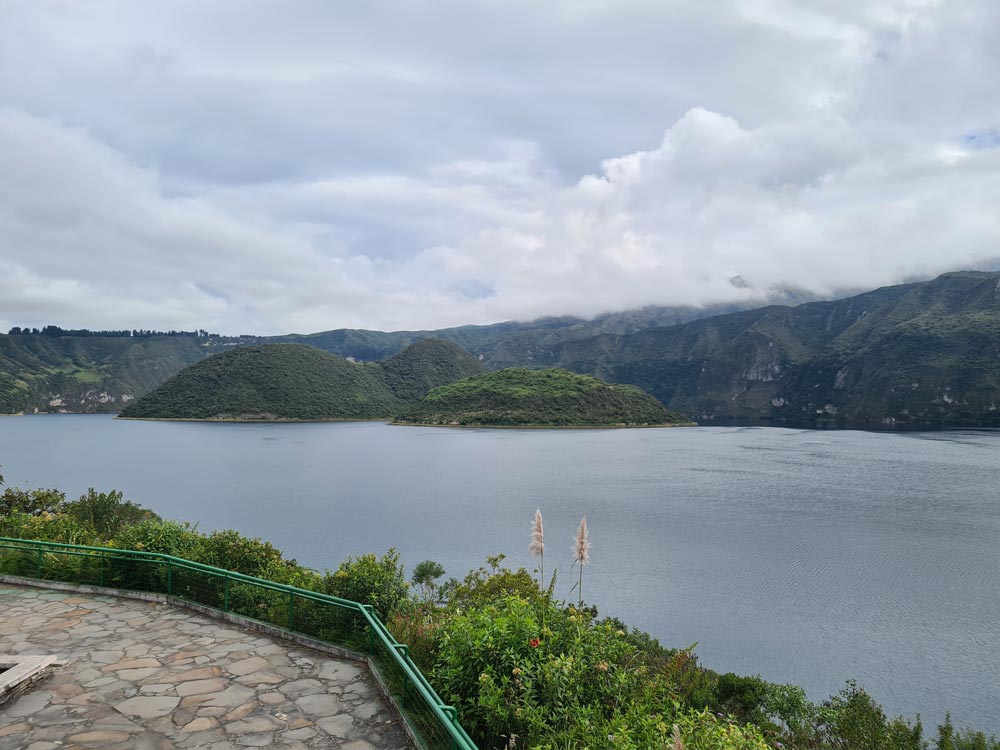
[(144, 676), (148, 707)]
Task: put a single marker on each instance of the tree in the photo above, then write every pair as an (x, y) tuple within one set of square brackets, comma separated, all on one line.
[(425, 575)]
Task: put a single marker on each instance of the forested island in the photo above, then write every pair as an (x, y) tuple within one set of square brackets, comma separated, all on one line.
[(295, 382), (519, 397)]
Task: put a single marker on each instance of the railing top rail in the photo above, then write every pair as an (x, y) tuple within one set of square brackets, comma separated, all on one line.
[(445, 714)]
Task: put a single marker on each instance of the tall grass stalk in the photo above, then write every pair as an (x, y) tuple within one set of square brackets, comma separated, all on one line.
[(581, 553), (537, 546)]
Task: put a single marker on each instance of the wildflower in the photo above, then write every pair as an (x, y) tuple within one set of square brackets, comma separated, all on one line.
[(601, 666), (516, 671), (534, 643)]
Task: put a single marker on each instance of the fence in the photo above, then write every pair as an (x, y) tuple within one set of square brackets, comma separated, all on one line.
[(326, 618)]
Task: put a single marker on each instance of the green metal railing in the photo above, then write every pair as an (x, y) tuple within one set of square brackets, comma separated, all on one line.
[(326, 618)]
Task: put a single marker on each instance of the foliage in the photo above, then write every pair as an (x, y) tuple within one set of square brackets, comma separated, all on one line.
[(554, 678), (300, 382), (276, 381), (368, 579), (94, 374), (231, 550), (425, 576), (486, 585), (107, 513), (425, 365), (165, 537), (416, 624), (33, 502), (554, 397), (49, 527)]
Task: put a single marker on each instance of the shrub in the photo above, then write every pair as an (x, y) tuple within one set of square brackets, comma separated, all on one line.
[(487, 585), (368, 579), (49, 527), (165, 537), (231, 550), (32, 502), (107, 513)]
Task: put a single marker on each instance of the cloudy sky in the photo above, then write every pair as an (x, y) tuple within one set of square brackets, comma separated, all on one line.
[(301, 165)]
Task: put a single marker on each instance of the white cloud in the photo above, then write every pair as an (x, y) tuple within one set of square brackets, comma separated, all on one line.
[(244, 169)]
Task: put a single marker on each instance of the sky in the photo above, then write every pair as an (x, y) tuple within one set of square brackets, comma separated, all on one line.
[(303, 165)]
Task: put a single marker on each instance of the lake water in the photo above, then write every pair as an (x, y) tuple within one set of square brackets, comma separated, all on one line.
[(805, 556)]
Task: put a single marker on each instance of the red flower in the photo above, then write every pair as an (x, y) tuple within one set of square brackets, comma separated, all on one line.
[(534, 643)]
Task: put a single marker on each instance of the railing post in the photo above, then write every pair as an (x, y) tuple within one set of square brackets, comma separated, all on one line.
[(170, 578), (101, 579), (39, 561), (225, 596), (291, 610)]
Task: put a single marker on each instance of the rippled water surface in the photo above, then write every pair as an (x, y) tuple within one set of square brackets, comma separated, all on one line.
[(807, 557)]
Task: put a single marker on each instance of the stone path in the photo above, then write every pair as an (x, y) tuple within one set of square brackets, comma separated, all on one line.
[(148, 676)]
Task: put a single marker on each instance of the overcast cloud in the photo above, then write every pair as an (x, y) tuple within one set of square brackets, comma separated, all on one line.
[(267, 167)]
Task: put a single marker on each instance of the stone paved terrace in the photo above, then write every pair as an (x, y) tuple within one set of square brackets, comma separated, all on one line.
[(149, 676)]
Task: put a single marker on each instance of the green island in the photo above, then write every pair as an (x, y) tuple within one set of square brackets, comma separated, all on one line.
[(523, 667), (519, 397), (296, 382)]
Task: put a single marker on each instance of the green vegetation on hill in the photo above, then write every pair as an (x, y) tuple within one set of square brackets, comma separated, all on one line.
[(299, 382), (276, 381), (92, 374), (915, 354), (553, 397), (425, 365)]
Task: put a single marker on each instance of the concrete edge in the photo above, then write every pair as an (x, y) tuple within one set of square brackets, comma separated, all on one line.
[(21, 672), (244, 622)]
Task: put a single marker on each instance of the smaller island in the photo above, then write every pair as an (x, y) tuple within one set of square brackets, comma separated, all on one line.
[(520, 397)]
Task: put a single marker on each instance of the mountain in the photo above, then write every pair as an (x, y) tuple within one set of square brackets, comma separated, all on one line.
[(540, 398), (93, 374), (299, 382), (513, 343), (916, 354)]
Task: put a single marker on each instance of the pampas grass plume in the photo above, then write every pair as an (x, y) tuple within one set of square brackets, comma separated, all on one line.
[(581, 550)]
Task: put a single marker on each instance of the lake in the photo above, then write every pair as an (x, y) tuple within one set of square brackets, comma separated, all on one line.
[(803, 556)]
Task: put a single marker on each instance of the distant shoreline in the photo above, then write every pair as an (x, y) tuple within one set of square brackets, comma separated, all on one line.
[(245, 421), (547, 426)]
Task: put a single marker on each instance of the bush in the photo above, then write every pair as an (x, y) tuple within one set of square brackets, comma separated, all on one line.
[(49, 527), (368, 579), (487, 585), (32, 502), (554, 678), (107, 513), (232, 551), (165, 537)]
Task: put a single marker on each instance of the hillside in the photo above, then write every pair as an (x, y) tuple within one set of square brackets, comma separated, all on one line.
[(99, 374), (276, 381), (299, 382), (553, 397), (916, 354), (425, 365)]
